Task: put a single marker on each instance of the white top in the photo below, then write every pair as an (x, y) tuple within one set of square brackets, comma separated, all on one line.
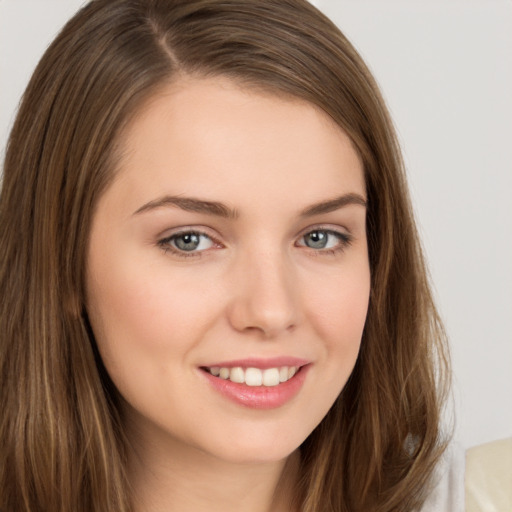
[(448, 493)]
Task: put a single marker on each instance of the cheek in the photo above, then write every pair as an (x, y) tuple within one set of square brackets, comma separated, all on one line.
[(138, 314), (339, 310), (338, 315)]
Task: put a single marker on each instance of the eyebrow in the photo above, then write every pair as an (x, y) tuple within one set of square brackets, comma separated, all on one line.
[(191, 204), (332, 205)]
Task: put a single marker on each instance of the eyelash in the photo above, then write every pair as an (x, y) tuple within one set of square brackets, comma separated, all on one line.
[(344, 241), (166, 243)]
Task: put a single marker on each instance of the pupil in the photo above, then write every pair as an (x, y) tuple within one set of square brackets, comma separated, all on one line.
[(316, 239), (187, 242)]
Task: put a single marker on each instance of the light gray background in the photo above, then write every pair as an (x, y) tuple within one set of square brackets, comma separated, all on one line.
[(445, 67)]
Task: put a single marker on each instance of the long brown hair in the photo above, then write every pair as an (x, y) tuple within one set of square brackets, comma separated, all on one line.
[(61, 436)]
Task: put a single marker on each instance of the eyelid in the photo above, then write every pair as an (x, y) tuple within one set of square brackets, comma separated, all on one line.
[(336, 229), (187, 228), (164, 240), (344, 236)]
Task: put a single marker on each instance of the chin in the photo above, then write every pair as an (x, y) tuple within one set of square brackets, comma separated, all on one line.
[(257, 447)]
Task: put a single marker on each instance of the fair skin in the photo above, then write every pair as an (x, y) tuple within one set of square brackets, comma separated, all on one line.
[(233, 236)]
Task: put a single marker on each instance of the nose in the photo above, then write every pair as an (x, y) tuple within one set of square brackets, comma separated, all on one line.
[(265, 297)]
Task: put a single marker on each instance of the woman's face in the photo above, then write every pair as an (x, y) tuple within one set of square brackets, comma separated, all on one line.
[(228, 276)]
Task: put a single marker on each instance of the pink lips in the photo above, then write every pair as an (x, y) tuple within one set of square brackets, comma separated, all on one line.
[(260, 397), (274, 362)]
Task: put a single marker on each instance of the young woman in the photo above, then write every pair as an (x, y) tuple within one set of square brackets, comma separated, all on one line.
[(214, 297)]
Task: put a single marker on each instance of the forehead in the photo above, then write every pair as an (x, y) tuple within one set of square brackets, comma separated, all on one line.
[(202, 136)]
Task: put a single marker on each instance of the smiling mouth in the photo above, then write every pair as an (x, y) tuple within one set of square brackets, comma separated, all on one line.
[(254, 377)]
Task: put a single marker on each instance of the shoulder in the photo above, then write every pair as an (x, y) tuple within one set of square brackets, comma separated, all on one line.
[(489, 476), (447, 494)]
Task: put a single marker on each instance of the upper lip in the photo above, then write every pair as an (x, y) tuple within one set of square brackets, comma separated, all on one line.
[(262, 363)]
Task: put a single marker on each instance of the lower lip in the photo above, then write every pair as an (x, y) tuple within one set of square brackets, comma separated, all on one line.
[(259, 397)]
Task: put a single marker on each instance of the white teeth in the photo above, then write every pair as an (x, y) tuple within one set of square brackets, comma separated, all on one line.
[(255, 376), (236, 375), (271, 377)]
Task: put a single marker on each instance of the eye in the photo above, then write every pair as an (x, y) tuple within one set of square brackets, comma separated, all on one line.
[(187, 242), (321, 239)]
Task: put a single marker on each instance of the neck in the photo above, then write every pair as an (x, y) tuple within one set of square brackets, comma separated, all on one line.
[(170, 476)]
